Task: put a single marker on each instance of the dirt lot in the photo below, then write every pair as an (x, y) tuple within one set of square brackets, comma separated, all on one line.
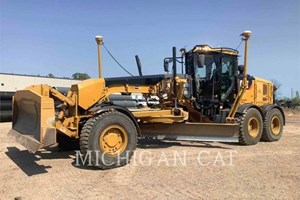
[(266, 170)]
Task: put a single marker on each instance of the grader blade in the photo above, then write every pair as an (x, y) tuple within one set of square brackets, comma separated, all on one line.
[(191, 131), (33, 123)]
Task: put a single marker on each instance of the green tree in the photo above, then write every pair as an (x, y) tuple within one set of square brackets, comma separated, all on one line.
[(296, 99), (297, 95), (277, 85), (80, 76), (50, 75)]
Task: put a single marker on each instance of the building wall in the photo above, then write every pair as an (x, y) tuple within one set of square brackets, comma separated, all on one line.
[(14, 82)]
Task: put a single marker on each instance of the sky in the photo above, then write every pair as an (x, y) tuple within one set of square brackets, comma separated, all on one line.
[(58, 36)]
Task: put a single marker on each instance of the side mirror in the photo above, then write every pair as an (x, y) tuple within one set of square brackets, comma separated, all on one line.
[(166, 66), (200, 60)]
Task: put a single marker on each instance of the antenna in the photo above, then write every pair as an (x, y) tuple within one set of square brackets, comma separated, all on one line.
[(99, 40)]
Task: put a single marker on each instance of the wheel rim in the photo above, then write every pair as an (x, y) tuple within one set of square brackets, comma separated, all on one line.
[(253, 128), (113, 140), (275, 125)]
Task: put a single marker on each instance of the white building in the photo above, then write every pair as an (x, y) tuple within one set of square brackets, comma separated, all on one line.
[(14, 82)]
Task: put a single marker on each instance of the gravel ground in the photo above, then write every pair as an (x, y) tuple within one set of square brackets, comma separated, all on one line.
[(164, 170)]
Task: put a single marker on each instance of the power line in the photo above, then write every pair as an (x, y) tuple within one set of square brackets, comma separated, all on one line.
[(116, 60)]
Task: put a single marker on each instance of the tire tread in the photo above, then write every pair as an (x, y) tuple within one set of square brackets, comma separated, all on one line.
[(240, 120), (86, 131)]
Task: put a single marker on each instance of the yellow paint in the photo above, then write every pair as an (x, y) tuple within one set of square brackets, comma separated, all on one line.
[(256, 94)]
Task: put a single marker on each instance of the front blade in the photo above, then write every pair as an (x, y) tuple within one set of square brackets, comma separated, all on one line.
[(33, 120), (27, 141)]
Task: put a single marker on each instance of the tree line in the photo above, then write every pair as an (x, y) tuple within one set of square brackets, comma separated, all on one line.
[(75, 76), (286, 102), (290, 102)]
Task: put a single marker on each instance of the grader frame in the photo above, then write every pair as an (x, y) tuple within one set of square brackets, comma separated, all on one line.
[(37, 121)]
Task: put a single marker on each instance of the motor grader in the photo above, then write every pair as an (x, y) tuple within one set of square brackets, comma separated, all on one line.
[(212, 99)]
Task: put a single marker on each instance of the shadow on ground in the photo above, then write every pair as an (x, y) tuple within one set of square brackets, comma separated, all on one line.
[(27, 161), (153, 144)]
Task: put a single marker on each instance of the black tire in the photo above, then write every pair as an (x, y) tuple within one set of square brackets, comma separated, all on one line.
[(66, 143), (92, 131), (273, 118), (253, 119)]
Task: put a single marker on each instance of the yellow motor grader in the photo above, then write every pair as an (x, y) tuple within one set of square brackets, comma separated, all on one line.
[(213, 99)]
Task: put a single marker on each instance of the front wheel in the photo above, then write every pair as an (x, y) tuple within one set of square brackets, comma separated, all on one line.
[(273, 126), (109, 138), (251, 127)]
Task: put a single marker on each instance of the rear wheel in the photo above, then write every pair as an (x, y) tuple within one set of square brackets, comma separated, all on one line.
[(109, 138), (273, 126), (251, 127)]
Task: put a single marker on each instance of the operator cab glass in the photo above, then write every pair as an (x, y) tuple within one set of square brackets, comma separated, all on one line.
[(214, 74)]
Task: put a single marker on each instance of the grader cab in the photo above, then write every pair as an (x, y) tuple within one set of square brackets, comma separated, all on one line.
[(213, 99)]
